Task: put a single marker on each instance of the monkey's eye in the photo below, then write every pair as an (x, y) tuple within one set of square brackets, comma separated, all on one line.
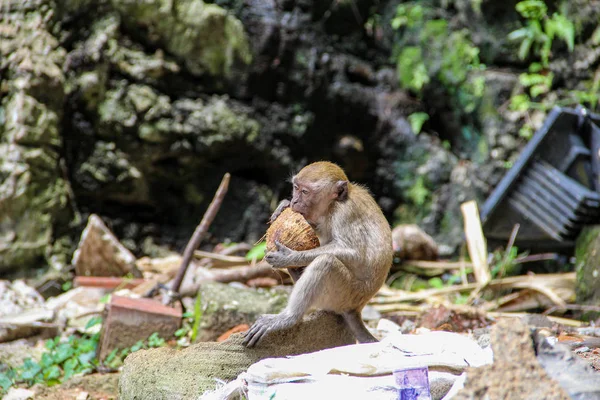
[(304, 191)]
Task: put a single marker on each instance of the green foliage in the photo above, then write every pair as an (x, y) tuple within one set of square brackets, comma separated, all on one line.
[(412, 71), (67, 286), (506, 262), (116, 357), (65, 358), (197, 317), (419, 193), (62, 360), (191, 324), (439, 53), (540, 30), (408, 16), (257, 252), (417, 120)]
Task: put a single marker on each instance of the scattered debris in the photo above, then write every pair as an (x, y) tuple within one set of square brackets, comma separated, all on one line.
[(100, 253), (130, 320), (22, 311), (552, 189), (364, 371), (515, 373)]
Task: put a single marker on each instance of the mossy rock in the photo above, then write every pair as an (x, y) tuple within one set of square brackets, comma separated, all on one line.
[(587, 267), (205, 37), (226, 306), (170, 374)]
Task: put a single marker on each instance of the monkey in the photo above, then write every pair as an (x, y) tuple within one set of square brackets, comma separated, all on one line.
[(352, 262)]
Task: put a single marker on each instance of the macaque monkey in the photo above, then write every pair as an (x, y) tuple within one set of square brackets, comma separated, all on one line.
[(350, 265)]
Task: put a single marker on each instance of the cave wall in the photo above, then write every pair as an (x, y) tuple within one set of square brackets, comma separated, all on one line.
[(134, 111)]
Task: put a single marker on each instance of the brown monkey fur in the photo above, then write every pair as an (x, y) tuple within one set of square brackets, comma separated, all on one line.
[(350, 265)]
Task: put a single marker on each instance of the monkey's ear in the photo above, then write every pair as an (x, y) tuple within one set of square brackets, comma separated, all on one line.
[(341, 190)]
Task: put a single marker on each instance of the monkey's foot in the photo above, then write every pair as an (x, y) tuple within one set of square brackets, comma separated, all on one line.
[(265, 324)]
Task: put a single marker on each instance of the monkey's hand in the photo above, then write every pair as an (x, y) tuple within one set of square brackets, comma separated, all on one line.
[(282, 206), (282, 257), (265, 324)]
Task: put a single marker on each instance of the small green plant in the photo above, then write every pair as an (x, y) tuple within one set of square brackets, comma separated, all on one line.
[(61, 360), (116, 357), (505, 262), (541, 30), (535, 83), (197, 317), (257, 252), (417, 120), (441, 54), (419, 193)]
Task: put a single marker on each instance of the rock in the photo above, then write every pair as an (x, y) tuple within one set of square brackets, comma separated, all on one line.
[(19, 394), (573, 374), (587, 268), (207, 38), (226, 306), (76, 307), (100, 253), (33, 193), (20, 305), (411, 243), (13, 354), (515, 373), (167, 373)]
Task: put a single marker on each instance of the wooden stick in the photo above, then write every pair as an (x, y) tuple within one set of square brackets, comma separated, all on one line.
[(200, 231), (219, 257), (518, 282), (476, 242)]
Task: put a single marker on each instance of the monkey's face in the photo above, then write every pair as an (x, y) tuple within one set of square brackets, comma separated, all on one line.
[(312, 200)]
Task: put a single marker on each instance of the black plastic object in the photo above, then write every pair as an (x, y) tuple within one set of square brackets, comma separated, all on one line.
[(553, 189)]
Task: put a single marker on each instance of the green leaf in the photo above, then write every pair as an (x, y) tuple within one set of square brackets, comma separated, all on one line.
[(63, 352), (5, 382), (69, 367), (519, 102), (46, 360), (52, 373), (29, 370), (181, 332), (596, 36), (417, 120), (524, 48), (67, 286), (436, 282), (155, 340), (519, 34), (111, 355), (86, 358), (532, 9), (197, 316), (105, 299), (87, 345), (93, 322), (137, 346), (257, 252), (50, 344)]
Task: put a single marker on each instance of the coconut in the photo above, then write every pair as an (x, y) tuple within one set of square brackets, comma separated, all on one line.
[(291, 229)]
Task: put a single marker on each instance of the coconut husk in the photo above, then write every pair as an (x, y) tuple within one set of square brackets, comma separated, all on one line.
[(291, 229)]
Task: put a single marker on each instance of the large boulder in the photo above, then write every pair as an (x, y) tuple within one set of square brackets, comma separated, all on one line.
[(185, 374), (33, 191)]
